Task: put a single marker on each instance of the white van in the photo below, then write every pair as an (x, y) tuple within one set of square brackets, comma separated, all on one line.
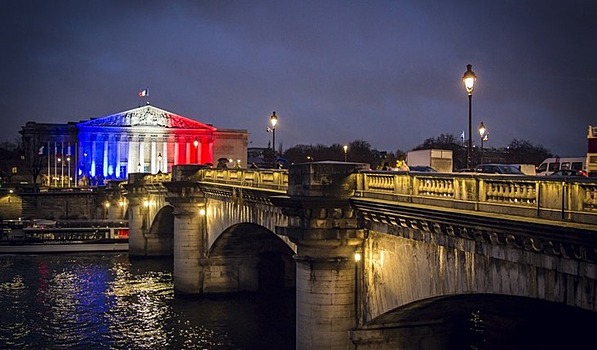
[(549, 165)]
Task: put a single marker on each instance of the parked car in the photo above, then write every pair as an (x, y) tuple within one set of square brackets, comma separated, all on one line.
[(505, 169), (569, 173), (423, 168)]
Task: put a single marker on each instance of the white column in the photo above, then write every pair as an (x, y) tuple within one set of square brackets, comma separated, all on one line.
[(105, 165), (141, 163), (117, 163), (175, 151), (198, 156), (165, 156), (188, 154), (92, 170), (153, 157), (132, 157)]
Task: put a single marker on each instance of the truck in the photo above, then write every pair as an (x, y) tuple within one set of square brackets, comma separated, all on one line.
[(438, 159), (550, 165)]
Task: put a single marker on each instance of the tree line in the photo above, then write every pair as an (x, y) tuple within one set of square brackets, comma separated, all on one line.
[(516, 152)]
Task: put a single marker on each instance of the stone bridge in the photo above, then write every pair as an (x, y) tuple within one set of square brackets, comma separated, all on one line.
[(376, 257)]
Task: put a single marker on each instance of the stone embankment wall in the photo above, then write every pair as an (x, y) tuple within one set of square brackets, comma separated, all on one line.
[(55, 206)]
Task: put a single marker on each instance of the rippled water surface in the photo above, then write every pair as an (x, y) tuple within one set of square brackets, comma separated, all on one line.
[(105, 301)]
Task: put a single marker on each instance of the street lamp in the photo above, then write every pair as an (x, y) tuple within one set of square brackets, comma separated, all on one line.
[(159, 163), (482, 134), (345, 152), (196, 144), (68, 169), (61, 172), (469, 79), (85, 164), (273, 120)]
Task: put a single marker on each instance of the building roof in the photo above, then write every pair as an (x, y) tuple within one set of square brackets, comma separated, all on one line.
[(146, 116)]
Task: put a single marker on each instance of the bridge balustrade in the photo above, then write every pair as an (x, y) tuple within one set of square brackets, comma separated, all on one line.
[(262, 178), (537, 197)]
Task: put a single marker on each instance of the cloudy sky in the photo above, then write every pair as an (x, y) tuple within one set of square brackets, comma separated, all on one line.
[(387, 72)]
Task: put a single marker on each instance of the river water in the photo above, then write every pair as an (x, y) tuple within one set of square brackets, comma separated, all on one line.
[(106, 301)]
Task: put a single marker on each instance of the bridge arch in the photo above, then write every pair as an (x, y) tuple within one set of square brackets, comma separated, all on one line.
[(160, 235), (254, 258), (466, 321)]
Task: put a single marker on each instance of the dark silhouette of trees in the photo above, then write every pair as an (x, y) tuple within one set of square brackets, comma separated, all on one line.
[(359, 151), (517, 152), (524, 152)]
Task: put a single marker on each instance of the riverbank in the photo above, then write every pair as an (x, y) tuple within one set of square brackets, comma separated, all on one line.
[(112, 245)]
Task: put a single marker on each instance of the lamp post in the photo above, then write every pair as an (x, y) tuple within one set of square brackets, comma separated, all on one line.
[(85, 164), (469, 78), (196, 144), (68, 169), (345, 152), (482, 134), (273, 121), (159, 163), (61, 172)]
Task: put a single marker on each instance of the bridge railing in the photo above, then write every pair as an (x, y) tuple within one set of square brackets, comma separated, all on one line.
[(270, 179), (528, 196)]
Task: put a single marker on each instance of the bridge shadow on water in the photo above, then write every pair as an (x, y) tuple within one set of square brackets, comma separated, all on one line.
[(264, 319), (522, 323), (486, 322)]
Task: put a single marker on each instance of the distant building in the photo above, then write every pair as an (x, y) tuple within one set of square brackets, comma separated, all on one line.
[(13, 169), (146, 139), (258, 157)]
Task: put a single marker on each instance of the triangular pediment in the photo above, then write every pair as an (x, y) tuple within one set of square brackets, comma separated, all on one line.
[(148, 116)]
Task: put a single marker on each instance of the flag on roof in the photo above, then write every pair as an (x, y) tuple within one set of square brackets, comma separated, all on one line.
[(144, 92)]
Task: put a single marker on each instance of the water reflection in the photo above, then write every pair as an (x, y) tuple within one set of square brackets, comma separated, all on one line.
[(108, 302)]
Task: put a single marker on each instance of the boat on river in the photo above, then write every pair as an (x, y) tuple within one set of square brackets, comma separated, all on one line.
[(50, 236)]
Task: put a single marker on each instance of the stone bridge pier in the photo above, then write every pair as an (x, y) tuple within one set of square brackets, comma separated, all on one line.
[(146, 200), (190, 241), (325, 230)]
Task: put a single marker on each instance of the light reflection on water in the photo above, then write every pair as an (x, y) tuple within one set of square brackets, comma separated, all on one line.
[(108, 302)]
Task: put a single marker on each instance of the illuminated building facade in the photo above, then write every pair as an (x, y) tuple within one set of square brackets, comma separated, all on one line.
[(146, 139)]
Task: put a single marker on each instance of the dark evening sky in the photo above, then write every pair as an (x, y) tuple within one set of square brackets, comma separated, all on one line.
[(387, 72)]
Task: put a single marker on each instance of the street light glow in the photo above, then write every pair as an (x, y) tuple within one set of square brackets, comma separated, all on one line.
[(469, 79)]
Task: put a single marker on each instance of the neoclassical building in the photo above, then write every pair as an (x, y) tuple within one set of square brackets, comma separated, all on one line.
[(146, 139)]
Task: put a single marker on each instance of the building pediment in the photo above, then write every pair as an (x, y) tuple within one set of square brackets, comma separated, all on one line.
[(147, 116)]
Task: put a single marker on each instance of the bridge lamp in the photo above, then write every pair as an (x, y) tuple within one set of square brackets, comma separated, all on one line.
[(273, 120), (202, 211), (358, 255), (469, 79), (482, 134), (107, 204), (146, 203), (345, 152)]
